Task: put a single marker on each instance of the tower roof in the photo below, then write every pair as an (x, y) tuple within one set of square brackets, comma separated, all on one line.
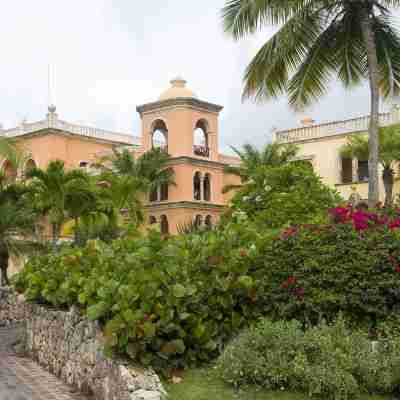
[(178, 89)]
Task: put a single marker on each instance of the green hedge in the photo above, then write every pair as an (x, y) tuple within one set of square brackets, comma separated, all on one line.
[(168, 302), (330, 362)]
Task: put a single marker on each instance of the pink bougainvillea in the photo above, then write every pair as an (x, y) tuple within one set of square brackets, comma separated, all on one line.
[(362, 219)]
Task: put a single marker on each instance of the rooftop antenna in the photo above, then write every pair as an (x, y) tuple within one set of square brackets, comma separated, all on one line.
[(51, 106)]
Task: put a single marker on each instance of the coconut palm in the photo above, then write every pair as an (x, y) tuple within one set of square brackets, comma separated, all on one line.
[(316, 40), (273, 154), (52, 189), (357, 146), (128, 180)]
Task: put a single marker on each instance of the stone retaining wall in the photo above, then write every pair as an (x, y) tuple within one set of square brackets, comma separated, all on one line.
[(70, 346)]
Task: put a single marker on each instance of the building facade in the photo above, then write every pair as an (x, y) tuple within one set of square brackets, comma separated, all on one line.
[(179, 123), (320, 144)]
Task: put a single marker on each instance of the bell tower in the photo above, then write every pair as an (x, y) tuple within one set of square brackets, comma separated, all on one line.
[(181, 124)]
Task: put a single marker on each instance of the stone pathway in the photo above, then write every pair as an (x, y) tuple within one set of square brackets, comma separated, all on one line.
[(23, 379)]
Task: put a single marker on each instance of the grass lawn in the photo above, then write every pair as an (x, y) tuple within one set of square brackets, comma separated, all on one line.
[(200, 384)]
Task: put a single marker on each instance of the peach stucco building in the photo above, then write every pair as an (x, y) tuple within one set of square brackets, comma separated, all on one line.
[(178, 122), (320, 144)]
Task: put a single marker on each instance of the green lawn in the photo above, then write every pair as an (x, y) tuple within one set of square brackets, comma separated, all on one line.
[(202, 385)]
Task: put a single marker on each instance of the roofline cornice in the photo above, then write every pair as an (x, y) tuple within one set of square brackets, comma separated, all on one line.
[(179, 101)]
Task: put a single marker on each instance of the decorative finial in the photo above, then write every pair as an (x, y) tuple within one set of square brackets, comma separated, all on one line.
[(178, 82), (52, 108)]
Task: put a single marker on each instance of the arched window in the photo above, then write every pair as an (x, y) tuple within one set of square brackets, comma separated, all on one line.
[(152, 220), (164, 225), (208, 222), (9, 171), (197, 186), (154, 195), (207, 187), (29, 166), (198, 220), (164, 192), (159, 136), (200, 140)]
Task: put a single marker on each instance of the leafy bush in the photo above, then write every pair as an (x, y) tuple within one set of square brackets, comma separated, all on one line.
[(314, 272), (283, 195), (168, 302), (326, 361)]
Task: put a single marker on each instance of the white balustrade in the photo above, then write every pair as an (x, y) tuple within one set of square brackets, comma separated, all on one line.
[(53, 123), (333, 128)]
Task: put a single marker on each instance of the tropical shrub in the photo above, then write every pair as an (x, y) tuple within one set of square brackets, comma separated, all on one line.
[(313, 272), (284, 195), (328, 361), (168, 302)]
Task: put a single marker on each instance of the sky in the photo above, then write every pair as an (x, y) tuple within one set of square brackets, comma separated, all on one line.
[(108, 56)]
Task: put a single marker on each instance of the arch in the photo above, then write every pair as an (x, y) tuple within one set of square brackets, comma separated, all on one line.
[(208, 222), (153, 195), (164, 188), (152, 220), (159, 135), (197, 186), (29, 165), (198, 221), (9, 171), (207, 187), (200, 139), (164, 225), (83, 164)]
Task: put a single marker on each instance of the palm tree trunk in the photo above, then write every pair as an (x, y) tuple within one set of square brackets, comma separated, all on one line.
[(388, 182), (369, 40), (55, 233), (4, 259)]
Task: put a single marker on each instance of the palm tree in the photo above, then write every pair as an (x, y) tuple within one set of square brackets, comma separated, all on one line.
[(273, 154), (389, 153), (17, 223), (52, 188), (316, 39), (128, 179)]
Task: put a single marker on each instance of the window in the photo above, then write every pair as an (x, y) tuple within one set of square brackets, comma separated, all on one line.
[(29, 166), (200, 140), (164, 225), (83, 164), (208, 222), (347, 170), (197, 186), (152, 220), (9, 171), (159, 136), (198, 220), (164, 192), (207, 187), (154, 195), (363, 170)]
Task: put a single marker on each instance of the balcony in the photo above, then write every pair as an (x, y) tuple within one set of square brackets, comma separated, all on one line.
[(201, 151)]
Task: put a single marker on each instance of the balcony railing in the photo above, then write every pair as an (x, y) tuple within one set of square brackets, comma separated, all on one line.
[(202, 151)]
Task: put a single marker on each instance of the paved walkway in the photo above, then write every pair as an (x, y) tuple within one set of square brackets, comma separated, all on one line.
[(23, 379)]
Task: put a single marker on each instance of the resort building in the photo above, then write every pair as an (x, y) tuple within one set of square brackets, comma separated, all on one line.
[(178, 122), (320, 144)]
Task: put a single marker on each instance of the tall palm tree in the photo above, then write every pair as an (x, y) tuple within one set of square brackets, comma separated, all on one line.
[(52, 189), (128, 179), (273, 154), (317, 39), (389, 153)]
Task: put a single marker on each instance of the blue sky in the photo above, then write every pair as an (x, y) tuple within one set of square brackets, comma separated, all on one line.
[(108, 56)]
